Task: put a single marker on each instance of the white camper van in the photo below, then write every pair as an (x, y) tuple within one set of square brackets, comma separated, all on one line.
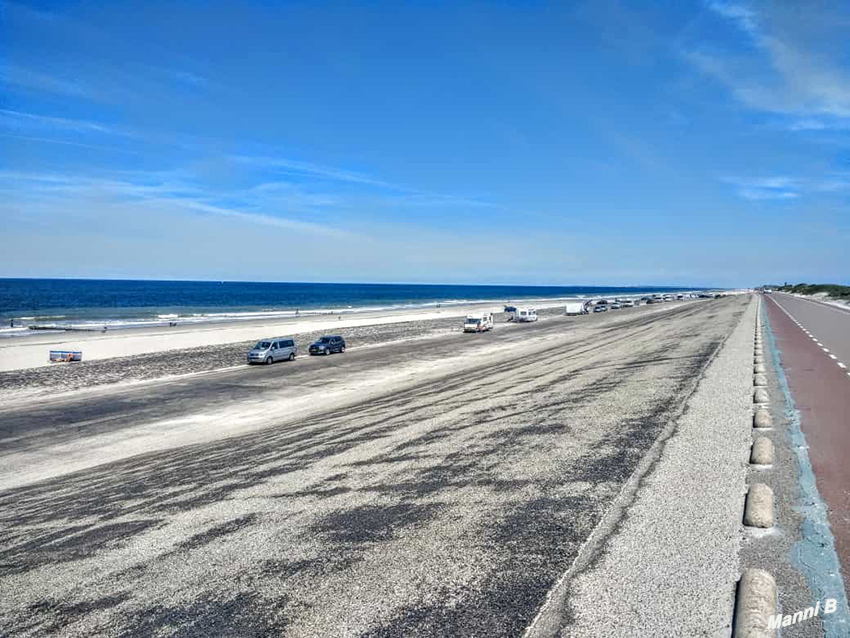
[(576, 308), (478, 323), (525, 315)]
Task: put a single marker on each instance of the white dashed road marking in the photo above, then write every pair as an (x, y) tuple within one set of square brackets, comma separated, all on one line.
[(813, 338)]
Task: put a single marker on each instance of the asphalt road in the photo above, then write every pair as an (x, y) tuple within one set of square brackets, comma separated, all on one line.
[(829, 324), (448, 506), (820, 389)]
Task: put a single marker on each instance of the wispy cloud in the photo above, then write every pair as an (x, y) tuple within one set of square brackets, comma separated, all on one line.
[(47, 140), (188, 78), (806, 124), (256, 218), (766, 188), (415, 196), (834, 183), (19, 120), (39, 81), (293, 167), (165, 194), (755, 194), (786, 188), (743, 16), (180, 75), (786, 76)]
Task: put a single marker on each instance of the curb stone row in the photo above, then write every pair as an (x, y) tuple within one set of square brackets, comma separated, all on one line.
[(756, 594)]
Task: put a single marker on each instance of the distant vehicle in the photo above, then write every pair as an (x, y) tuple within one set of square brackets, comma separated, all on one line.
[(668, 297), (328, 345), (602, 307), (629, 303), (66, 356), (478, 323), (576, 308), (525, 315), (680, 296), (615, 305), (270, 350), (767, 291)]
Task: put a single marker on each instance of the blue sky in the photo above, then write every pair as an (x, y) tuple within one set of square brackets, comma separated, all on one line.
[(605, 142)]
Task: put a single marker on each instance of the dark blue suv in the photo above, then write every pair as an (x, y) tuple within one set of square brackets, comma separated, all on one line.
[(328, 345)]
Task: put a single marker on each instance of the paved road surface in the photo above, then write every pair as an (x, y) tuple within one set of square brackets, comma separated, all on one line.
[(821, 392), (449, 506)]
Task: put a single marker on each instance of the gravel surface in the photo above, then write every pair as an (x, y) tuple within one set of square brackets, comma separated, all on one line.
[(446, 507), (667, 563), (66, 377), (156, 365)]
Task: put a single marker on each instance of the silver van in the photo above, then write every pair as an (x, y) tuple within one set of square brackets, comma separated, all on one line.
[(271, 350)]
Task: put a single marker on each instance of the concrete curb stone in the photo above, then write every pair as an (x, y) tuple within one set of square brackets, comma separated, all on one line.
[(762, 452), (756, 604), (759, 509), (762, 419)]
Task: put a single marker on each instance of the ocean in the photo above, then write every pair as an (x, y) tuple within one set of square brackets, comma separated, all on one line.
[(83, 303)]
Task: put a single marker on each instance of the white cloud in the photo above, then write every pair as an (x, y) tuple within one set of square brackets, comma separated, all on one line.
[(806, 124), (19, 120), (744, 17), (786, 75), (782, 187), (414, 196), (306, 168), (766, 193), (188, 78), (39, 81), (162, 194), (766, 188)]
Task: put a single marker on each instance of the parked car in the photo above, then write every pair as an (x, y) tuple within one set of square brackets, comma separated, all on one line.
[(328, 345), (602, 307), (628, 303), (271, 350), (615, 305)]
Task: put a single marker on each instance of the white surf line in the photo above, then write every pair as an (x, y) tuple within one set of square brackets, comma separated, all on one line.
[(825, 350)]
